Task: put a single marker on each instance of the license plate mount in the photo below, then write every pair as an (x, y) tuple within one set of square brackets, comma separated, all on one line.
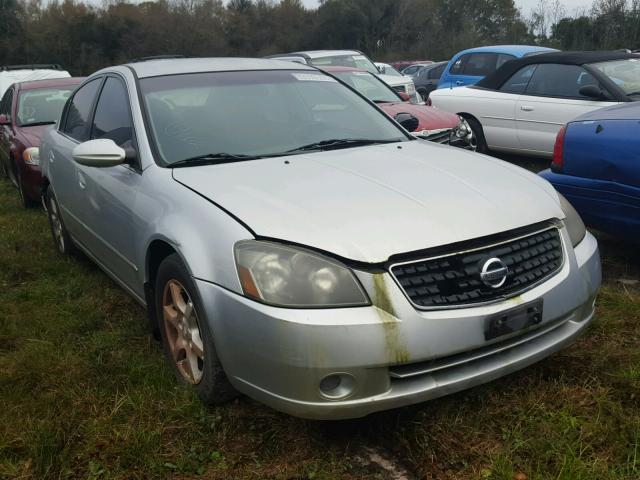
[(513, 320)]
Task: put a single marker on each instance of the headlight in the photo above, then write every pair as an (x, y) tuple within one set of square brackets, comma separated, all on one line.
[(290, 277), (411, 88), (31, 156), (573, 222), (463, 129)]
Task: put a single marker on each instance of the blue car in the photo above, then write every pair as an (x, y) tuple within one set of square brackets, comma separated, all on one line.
[(470, 66), (596, 166)]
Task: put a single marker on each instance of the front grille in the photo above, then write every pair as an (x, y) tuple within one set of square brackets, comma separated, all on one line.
[(454, 279), (400, 88), (439, 137)]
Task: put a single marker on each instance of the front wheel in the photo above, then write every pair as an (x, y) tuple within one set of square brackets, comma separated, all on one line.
[(186, 337), (479, 141)]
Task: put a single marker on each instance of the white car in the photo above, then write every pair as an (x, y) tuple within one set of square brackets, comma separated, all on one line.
[(22, 73), (521, 107), (354, 59)]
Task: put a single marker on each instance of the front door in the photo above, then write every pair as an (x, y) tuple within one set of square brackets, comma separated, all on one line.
[(551, 99)]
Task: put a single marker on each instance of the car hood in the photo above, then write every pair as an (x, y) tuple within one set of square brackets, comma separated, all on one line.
[(430, 118), (31, 136), (369, 203)]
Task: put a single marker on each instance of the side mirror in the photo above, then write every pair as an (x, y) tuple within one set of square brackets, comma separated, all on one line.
[(592, 91), (408, 121), (4, 120), (99, 153), (404, 96)]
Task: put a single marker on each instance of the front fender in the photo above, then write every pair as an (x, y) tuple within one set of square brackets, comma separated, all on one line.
[(200, 232)]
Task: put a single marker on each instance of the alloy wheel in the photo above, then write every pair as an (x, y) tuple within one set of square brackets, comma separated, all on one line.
[(56, 225), (182, 330)]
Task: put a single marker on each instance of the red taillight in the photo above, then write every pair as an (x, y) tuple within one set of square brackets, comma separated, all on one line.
[(558, 151)]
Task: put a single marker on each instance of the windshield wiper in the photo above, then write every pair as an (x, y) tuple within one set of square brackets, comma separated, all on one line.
[(339, 143), (211, 159), (35, 124), (382, 101)]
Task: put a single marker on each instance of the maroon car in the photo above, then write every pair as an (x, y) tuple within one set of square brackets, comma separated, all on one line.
[(422, 121), (26, 110)]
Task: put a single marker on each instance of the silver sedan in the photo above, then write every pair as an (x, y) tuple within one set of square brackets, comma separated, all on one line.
[(293, 243)]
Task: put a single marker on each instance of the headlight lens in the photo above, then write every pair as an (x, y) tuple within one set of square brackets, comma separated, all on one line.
[(31, 156), (573, 222), (290, 277)]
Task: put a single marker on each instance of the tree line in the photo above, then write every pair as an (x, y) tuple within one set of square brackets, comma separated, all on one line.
[(84, 37)]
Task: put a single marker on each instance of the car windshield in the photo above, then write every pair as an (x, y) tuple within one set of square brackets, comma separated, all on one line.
[(624, 73), (354, 61), (41, 106), (369, 86), (389, 70), (233, 116)]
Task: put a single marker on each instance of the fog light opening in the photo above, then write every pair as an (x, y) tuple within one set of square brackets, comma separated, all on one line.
[(337, 386)]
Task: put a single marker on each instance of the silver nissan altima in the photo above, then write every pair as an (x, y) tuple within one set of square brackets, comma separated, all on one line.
[(293, 243)]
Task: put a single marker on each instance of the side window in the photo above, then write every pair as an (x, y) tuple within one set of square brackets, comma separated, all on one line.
[(79, 109), (436, 73), (555, 80), (7, 100), (519, 80), (480, 64), (112, 119), (502, 59), (409, 70), (456, 68)]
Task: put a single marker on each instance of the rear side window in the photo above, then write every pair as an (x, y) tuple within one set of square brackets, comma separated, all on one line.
[(456, 68), (77, 117), (519, 80), (480, 64), (555, 80), (436, 73), (112, 119)]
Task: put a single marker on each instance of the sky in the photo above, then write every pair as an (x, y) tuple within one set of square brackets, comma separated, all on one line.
[(525, 5)]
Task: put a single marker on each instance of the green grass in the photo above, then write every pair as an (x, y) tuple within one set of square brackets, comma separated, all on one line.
[(85, 393)]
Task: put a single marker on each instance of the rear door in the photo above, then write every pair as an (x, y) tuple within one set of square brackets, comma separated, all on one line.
[(62, 169), (551, 99), (473, 67)]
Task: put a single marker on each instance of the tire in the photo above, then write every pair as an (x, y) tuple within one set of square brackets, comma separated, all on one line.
[(478, 133), (61, 238), (186, 338), (25, 199)]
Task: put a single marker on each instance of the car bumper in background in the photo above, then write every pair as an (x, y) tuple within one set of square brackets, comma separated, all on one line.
[(280, 356)]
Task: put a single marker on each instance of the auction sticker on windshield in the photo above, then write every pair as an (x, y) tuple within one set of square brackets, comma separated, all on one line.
[(312, 77)]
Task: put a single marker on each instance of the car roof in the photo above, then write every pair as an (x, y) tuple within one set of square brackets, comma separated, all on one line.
[(319, 53), (625, 111), (176, 66), (52, 82), (337, 69), (517, 50), (496, 79)]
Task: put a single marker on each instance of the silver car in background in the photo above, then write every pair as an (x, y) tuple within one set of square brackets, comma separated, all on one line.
[(293, 243)]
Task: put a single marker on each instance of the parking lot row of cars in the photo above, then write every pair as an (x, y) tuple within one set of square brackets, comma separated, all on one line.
[(295, 236)]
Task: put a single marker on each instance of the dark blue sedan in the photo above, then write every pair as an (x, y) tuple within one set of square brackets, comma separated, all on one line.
[(596, 165)]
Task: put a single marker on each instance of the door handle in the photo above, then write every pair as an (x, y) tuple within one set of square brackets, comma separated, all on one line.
[(459, 82), (81, 181), (526, 108)]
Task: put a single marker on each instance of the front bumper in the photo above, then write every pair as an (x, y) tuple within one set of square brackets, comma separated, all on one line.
[(396, 356)]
